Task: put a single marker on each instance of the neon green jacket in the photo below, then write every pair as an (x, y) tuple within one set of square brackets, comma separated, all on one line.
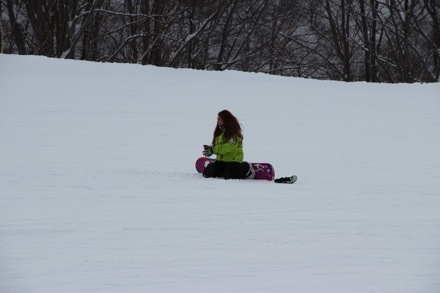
[(231, 151)]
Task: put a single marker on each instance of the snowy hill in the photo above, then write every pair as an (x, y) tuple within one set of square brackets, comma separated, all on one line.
[(98, 190)]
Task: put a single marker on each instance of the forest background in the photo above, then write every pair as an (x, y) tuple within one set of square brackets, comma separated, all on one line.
[(393, 41)]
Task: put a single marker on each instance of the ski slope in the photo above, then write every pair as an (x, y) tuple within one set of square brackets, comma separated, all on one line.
[(99, 193)]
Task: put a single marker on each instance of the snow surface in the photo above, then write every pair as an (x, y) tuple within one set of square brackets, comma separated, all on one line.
[(99, 193)]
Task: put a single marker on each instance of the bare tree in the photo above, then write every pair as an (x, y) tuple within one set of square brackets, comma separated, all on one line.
[(16, 27), (401, 58), (367, 21), (432, 39), (372, 40), (332, 25), (1, 29)]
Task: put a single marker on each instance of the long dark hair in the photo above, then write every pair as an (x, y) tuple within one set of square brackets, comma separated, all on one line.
[(232, 128)]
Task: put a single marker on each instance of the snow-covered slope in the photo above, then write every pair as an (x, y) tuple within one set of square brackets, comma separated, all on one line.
[(98, 190)]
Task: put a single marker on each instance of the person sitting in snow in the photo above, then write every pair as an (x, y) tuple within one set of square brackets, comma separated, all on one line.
[(227, 145)]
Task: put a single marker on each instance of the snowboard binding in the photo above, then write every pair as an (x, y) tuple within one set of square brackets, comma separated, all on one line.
[(287, 180)]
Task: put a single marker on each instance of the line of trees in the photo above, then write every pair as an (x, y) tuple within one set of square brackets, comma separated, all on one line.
[(363, 40)]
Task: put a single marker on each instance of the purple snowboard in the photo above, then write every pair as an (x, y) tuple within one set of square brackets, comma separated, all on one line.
[(263, 171)]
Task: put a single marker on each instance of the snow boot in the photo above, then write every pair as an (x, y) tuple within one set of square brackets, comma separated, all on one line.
[(250, 174)]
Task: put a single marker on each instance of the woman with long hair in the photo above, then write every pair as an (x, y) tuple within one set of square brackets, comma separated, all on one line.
[(227, 145)]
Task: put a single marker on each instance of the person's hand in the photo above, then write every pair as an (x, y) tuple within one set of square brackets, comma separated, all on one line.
[(208, 151)]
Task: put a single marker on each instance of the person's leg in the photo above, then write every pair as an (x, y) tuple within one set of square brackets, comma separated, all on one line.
[(246, 171), (231, 170), (236, 170), (214, 169)]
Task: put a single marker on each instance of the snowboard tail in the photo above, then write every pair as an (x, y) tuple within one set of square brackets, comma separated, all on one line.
[(263, 171)]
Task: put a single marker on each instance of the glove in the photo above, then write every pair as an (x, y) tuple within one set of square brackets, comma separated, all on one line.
[(208, 150)]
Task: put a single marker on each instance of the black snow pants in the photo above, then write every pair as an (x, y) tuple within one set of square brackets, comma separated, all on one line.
[(227, 170)]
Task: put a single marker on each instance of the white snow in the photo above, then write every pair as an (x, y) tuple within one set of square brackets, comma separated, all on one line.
[(99, 193)]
